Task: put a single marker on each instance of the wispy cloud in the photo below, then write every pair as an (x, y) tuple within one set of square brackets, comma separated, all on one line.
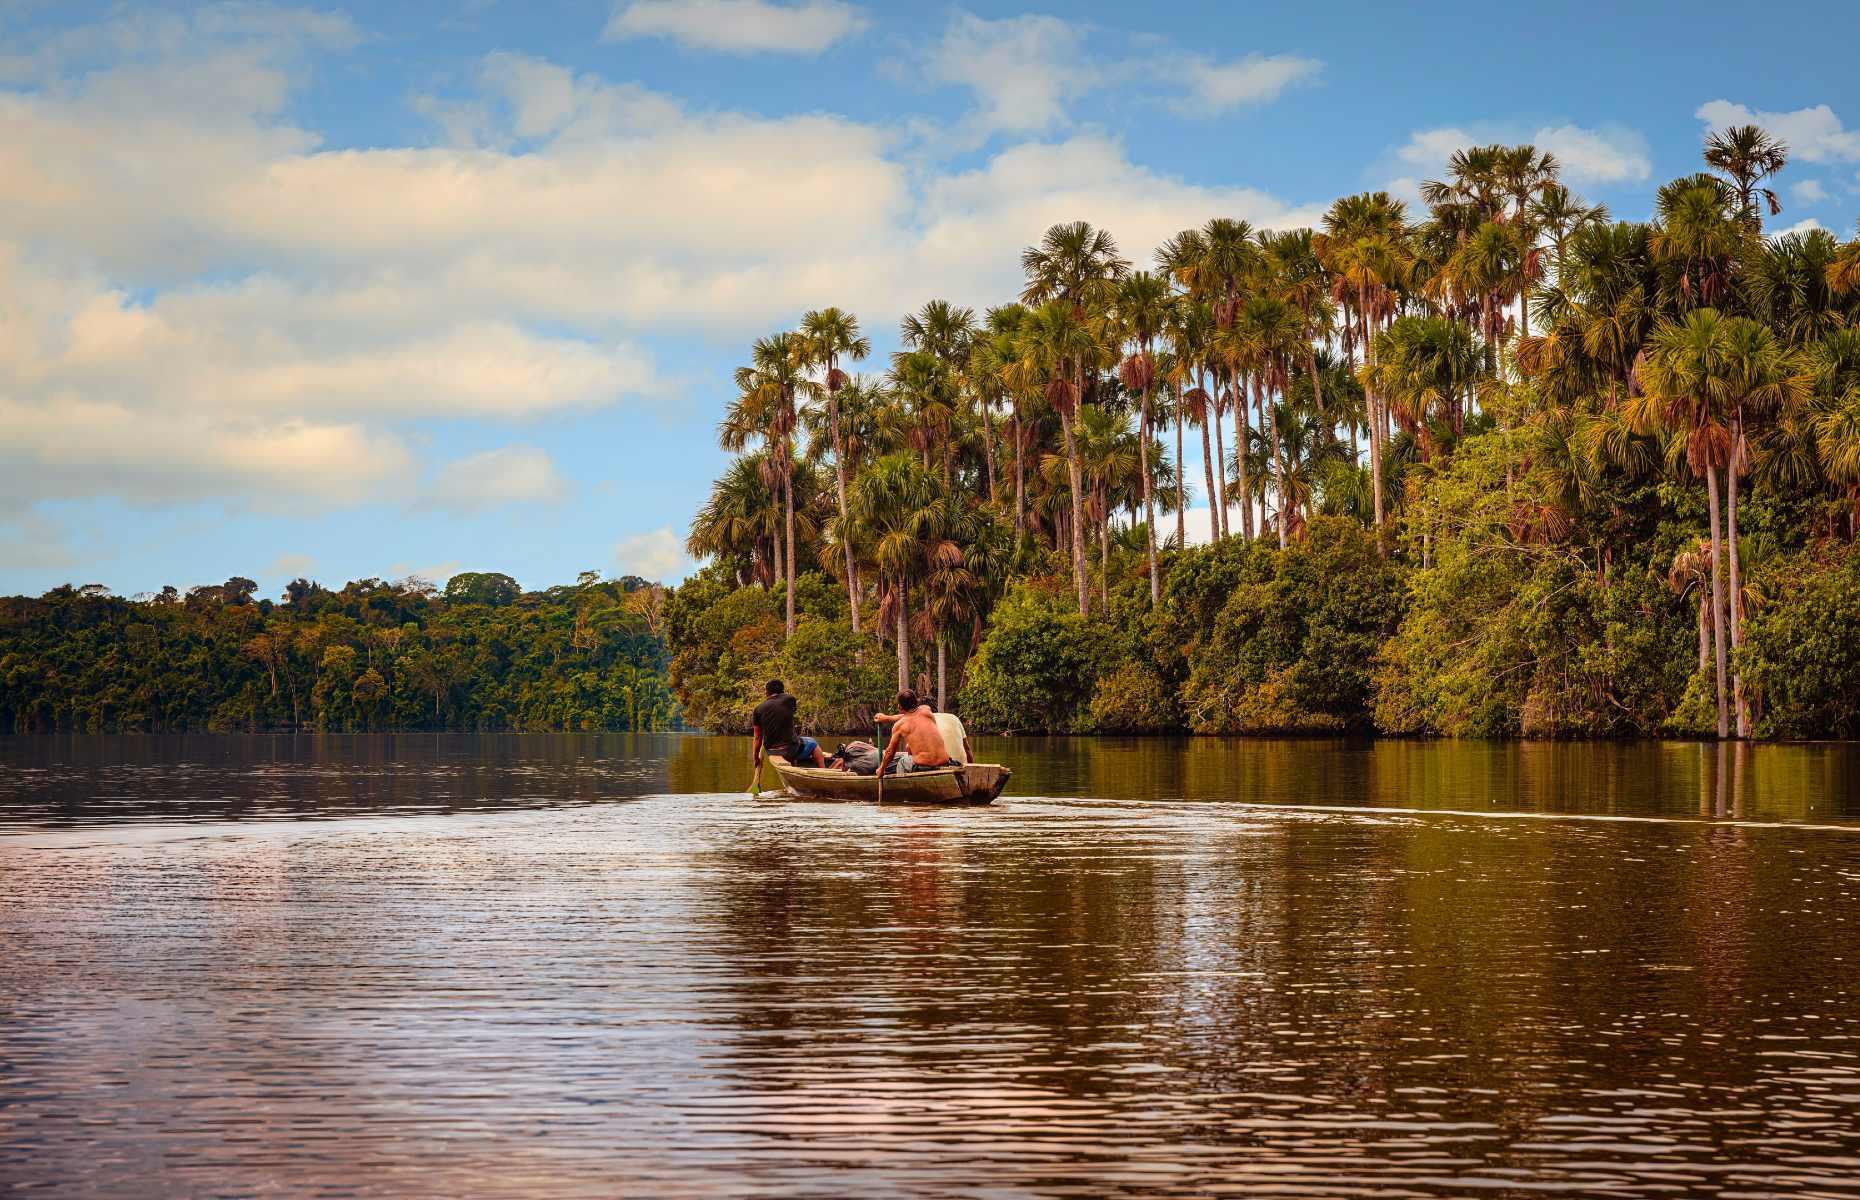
[(1814, 134), (1219, 87), (1808, 191), (1026, 72), (1022, 70), (1607, 154), (495, 479), (739, 26), (659, 556)]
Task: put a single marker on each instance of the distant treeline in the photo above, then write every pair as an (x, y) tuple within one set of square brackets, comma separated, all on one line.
[(482, 654)]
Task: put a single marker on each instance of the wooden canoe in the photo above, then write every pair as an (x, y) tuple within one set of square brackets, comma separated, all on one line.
[(976, 783)]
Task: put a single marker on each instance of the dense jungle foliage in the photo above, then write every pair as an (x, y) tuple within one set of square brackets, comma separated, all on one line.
[(482, 654), (1504, 466)]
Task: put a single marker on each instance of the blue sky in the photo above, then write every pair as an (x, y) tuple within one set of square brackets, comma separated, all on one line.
[(374, 290)]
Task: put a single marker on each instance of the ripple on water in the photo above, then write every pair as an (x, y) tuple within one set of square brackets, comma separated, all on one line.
[(698, 993)]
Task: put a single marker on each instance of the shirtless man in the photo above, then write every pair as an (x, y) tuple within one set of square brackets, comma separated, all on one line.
[(916, 731)]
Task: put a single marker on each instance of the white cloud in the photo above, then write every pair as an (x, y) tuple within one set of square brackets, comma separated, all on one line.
[(1805, 225), (291, 566), (1608, 154), (1023, 70), (739, 26), (1808, 191), (198, 301), (658, 556), (1217, 87), (1813, 134), (496, 478), (976, 222)]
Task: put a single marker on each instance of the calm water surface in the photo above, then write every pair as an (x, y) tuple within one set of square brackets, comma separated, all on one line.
[(588, 965)]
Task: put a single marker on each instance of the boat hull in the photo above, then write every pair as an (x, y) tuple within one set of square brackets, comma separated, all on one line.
[(976, 783)]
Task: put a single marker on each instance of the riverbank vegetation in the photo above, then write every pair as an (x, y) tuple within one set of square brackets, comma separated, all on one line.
[(1496, 465), (482, 654)]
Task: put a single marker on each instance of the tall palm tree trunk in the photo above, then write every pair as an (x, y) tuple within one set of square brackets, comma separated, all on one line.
[(1717, 596), (1020, 487), (1220, 463), (1149, 500), (1738, 703), (988, 453), (1104, 548), (1375, 423), (1317, 387), (1270, 415), (1243, 434), (1181, 480), (1207, 463), (942, 675), (839, 472), (775, 563), (904, 638), (1078, 518), (787, 492)]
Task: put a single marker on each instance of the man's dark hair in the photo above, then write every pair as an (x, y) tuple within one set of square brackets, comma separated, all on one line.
[(907, 702), (775, 688)]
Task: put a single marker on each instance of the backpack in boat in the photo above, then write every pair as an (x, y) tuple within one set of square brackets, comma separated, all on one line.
[(861, 758)]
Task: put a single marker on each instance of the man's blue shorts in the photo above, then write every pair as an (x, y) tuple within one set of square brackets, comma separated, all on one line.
[(802, 752)]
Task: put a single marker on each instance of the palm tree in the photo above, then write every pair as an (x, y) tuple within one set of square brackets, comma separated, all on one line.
[(740, 523), (1053, 339), (1526, 174), (1111, 458), (1685, 380), (1192, 333), (1762, 379), (1844, 270), (1558, 212), (1746, 155), (1363, 246), (1698, 237), (1487, 268), (1833, 420), (1692, 568), (1177, 378), (1298, 277), (765, 405), (899, 507), (1789, 285), (997, 356), (1074, 267), (830, 336), (1423, 368), (984, 381), (1144, 307), (1230, 259), (1266, 334), (925, 390), (945, 332)]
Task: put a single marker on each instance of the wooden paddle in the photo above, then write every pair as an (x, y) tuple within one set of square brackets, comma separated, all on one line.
[(755, 785)]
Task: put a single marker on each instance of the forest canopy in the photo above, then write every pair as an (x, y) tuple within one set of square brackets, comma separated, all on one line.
[(1495, 464), (483, 654)]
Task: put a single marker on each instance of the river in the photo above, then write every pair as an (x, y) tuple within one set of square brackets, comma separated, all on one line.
[(589, 965)]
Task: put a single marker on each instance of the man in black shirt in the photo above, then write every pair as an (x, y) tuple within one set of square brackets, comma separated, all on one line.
[(775, 733)]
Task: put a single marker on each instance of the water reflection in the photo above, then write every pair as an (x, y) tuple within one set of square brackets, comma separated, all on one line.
[(93, 780), (691, 992)]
